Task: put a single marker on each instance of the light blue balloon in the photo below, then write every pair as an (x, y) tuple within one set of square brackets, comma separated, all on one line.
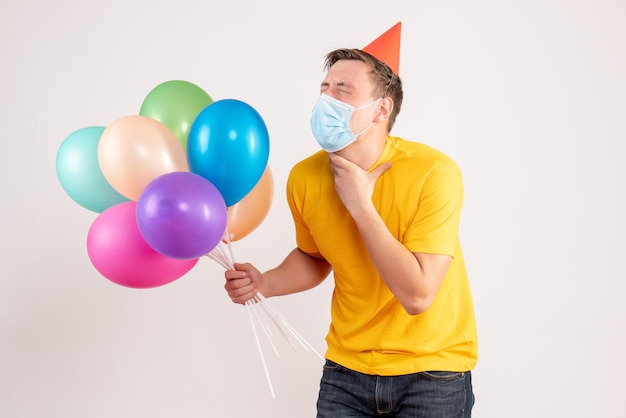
[(79, 172), (228, 144)]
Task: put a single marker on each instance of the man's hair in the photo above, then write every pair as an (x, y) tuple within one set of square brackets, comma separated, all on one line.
[(386, 83)]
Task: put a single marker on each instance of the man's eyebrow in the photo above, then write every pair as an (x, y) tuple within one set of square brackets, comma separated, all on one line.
[(342, 84), (348, 86)]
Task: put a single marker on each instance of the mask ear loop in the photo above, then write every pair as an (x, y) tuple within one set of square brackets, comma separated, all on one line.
[(371, 124), (377, 100)]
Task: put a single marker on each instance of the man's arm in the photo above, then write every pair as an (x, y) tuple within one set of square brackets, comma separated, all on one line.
[(299, 271), (413, 278)]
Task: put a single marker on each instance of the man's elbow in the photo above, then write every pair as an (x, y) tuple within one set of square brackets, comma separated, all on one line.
[(418, 305)]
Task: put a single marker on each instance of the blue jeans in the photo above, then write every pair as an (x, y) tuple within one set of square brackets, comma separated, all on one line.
[(346, 393)]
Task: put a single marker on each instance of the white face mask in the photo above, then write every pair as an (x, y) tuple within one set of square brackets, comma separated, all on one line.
[(330, 123)]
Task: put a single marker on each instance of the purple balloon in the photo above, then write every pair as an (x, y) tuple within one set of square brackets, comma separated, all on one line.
[(181, 215)]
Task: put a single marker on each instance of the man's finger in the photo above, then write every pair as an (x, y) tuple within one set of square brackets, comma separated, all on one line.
[(381, 169)]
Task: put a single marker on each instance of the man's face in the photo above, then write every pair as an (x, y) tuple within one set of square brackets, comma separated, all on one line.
[(350, 82)]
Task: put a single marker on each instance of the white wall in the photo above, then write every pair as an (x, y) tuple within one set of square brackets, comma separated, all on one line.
[(528, 96)]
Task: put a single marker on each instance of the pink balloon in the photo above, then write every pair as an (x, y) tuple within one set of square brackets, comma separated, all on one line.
[(119, 252)]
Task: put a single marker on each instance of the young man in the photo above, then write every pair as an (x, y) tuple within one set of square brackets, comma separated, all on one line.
[(383, 214)]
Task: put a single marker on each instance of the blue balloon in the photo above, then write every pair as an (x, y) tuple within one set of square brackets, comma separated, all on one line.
[(228, 144), (79, 172)]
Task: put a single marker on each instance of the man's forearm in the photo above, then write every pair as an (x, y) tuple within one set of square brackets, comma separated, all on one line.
[(298, 272)]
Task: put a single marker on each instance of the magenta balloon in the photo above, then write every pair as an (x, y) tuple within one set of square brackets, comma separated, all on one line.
[(119, 252), (181, 215)]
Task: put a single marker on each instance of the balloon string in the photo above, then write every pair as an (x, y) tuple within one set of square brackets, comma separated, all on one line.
[(219, 250), (219, 254), (274, 319), (218, 259), (260, 309), (263, 324), (258, 344), (230, 246), (284, 321)]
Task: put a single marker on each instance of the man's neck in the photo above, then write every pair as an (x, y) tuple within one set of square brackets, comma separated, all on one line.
[(366, 150)]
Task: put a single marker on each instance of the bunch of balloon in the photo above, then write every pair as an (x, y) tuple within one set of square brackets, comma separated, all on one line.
[(168, 183), (155, 217), (180, 180)]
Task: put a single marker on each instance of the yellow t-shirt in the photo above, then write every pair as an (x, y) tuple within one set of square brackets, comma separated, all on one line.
[(420, 199)]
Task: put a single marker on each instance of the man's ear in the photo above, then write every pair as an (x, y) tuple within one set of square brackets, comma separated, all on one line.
[(386, 106)]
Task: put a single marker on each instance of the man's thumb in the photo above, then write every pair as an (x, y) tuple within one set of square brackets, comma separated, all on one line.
[(380, 170)]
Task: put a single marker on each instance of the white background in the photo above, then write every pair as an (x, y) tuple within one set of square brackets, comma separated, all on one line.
[(529, 97)]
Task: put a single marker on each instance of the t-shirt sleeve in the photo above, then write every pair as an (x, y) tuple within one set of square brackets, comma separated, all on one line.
[(295, 200), (435, 227)]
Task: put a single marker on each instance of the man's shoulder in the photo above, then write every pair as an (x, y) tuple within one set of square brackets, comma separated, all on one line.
[(414, 150), (311, 167), (313, 161)]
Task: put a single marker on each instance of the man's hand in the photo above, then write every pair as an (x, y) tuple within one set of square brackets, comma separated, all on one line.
[(243, 283), (354, 185)]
